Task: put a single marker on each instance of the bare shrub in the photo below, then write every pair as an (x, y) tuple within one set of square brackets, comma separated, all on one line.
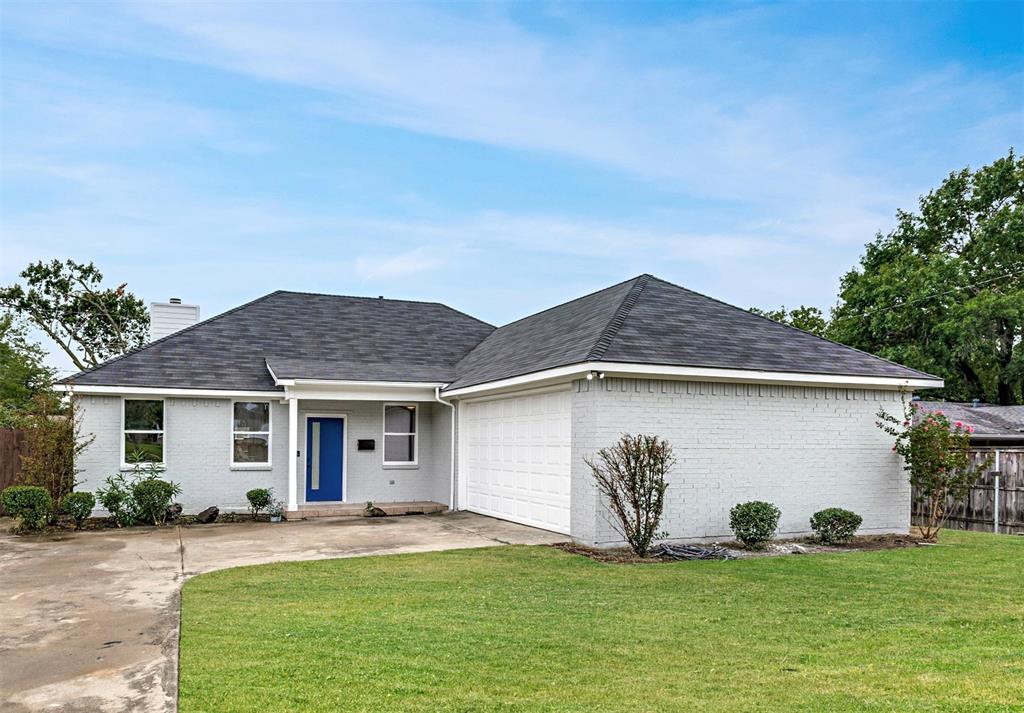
[(631, 477)]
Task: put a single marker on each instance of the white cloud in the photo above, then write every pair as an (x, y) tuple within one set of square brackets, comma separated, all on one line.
[(410, 262)]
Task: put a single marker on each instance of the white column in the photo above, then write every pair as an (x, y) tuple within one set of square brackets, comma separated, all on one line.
[(293, 454)]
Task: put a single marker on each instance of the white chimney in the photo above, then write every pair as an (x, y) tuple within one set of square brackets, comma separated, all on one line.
[(169, 317)]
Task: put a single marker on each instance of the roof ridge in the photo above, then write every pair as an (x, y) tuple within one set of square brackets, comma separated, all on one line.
[(618, 318), (568, 302), (790, 326), (189, 328), (386, 299)]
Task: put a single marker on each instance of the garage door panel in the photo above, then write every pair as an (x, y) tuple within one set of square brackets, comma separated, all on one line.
[(517, 456)]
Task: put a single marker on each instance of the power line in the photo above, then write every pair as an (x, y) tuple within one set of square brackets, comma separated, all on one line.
[(928, 297)]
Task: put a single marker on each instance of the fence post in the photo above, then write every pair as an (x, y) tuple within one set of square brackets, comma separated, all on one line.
[(995, 505)]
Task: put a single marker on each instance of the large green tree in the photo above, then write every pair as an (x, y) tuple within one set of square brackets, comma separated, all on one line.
[(809, 319), (944, 291), (67, 301), (23, 373)]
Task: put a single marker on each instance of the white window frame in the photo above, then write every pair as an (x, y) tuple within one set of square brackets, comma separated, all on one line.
[(125, 465), (415, 434), (248, 465)]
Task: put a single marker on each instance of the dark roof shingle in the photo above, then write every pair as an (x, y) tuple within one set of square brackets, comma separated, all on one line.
[(644, 320), (358, 338)]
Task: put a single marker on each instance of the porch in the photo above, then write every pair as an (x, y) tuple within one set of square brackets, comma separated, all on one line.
[(310, 510), (356, 442)]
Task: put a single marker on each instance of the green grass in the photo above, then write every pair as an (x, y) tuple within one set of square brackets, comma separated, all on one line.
[(524, 628)]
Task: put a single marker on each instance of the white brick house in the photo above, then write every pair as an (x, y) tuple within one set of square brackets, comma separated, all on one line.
[(333, 400)]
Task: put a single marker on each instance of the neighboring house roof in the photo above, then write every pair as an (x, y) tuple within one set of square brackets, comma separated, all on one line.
[(649, 321), (996, 423), (328, 336), (644, 320)]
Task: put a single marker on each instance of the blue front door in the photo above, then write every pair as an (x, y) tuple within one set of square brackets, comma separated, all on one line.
[(324, 467)]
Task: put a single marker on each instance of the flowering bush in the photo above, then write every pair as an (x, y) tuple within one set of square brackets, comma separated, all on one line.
[(936, 454)]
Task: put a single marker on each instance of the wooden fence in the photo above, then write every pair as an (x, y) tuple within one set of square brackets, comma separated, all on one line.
[(976, 511), (10, 452)]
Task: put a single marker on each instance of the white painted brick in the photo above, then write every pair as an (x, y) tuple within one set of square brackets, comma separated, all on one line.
[(197, 452), (802, 448)]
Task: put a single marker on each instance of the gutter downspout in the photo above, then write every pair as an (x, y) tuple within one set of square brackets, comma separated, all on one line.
[(451, 455)]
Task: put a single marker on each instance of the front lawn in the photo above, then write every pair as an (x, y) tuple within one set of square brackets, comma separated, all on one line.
[(518, 628)]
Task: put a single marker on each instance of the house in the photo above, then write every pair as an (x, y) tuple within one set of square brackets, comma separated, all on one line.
[(994, 426), (335, 400)]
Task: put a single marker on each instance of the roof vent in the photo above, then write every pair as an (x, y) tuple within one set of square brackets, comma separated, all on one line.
[(166, 318), (380, 297), (975, 402)]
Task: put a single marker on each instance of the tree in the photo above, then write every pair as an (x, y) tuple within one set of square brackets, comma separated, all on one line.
[(90, 323), (944, 291), (23, 375), (631, 477), (809, 319), (52, 445), (936, 454)]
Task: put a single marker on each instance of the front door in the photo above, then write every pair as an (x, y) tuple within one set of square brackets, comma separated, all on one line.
[(324, 454)]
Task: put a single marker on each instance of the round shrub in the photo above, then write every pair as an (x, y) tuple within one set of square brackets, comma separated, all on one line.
[(78, 506), (152, 497), (834, 525), (259, 499), (755, 522), (29, 504)]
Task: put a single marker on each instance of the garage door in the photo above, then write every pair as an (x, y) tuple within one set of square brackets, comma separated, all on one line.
[(514, 458)]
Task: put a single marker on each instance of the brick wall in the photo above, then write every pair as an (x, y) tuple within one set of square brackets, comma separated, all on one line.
[(197, 452), (803, 448)]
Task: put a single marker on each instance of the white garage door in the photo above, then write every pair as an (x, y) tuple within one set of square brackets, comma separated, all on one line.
[(514, 458)]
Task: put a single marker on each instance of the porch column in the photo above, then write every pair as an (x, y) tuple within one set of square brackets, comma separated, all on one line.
[(293, 454)]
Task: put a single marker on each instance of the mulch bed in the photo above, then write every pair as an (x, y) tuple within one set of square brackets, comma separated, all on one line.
[(776, 548)]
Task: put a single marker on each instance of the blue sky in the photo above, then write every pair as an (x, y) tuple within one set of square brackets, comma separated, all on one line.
[(498, 158)]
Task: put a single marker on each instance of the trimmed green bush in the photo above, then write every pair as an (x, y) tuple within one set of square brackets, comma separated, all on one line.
[(152, 497), (755, 522), (259, 499), (78, 506), (116, 498), (30, 505), (834, 525)]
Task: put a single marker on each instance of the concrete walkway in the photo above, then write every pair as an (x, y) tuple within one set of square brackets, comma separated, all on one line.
[(89, 621)]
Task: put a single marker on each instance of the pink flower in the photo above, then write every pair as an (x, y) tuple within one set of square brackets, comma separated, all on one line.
[(938, 413), (959, 424)]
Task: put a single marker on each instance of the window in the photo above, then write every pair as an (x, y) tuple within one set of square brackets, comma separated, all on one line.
[(143, 421), (399, 434), (250, 433)]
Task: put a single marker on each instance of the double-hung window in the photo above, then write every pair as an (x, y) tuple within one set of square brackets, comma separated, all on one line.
[(400, 434), (143, 436), (250, 433)]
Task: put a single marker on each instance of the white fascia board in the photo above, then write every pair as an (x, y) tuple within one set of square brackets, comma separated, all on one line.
[(691, 373), (158, 391), (362, 390)]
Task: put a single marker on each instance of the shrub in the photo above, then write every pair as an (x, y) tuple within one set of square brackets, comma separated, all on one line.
[(116, 498), (29, 504), (631, 477), (834, 525), (936, 455), (755, 522), (152, 497), (259, 499), (78, 506), (52, 442)]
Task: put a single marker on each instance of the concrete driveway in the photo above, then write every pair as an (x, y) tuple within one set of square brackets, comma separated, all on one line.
[(89, 621)]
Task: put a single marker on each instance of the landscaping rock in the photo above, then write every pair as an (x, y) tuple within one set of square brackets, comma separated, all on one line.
[(208, 515), (173, 512)]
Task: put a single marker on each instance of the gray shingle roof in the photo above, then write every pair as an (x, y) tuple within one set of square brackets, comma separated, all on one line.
[(649, 321), (988, 421), (308, 336), (333, 337)]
